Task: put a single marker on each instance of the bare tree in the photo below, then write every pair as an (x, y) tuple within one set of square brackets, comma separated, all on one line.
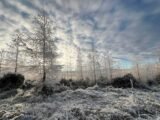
[(93, 60), (40, 44), (79, 63), (109, 63), (109, 66), (1, 59), (138, 72), (136, 61), (16, 46), (105, 65)]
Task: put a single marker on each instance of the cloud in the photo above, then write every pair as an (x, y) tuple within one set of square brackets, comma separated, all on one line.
[(127, 28)]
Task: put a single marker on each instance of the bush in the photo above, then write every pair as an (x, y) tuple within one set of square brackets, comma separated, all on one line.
[(75, 84), (158, 78), (102, 82), (155, 81), (79, 84), (151, 82), (58, 88), (46, 90), (28, 84), (124, 82), (65, 82), (11, 81), (7, 94)]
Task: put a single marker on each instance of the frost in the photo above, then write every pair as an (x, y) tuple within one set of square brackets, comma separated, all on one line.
[(93, 103)]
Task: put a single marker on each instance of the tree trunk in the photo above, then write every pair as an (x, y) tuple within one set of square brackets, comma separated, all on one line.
[(110, 69), (138, 72), (94, 69), (0, 65), (1, 61), (44, 48), (17, 54), (44, 62)]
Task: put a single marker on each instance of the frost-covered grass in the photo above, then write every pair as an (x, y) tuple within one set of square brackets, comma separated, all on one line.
[(93, 103)]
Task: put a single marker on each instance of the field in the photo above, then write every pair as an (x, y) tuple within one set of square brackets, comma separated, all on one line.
[(93, 103)]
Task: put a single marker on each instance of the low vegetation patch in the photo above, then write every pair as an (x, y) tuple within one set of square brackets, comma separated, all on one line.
[(103, 82), (127, 81), (11, 81), (157, 79), (75, 84), (48, 90), (28, 84)]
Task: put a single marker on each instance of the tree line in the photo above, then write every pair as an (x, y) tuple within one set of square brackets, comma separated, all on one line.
[(38, 46)]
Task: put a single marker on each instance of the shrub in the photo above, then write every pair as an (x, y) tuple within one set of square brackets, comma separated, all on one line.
[(154, 81), (28, 84), (59, 88), (7, 94), (65, 82), (46, 90), (11, 81), (102, 81), (75, 84), (80, 84), (158, 78), (124, 82), (151, 82)]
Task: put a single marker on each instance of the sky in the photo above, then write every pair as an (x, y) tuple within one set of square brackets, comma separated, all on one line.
[(129, 29)]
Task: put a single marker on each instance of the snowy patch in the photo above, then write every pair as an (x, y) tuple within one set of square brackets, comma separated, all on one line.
[(93, 103)]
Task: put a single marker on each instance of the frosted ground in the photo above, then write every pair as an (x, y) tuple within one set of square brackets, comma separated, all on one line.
[(93, 103)]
